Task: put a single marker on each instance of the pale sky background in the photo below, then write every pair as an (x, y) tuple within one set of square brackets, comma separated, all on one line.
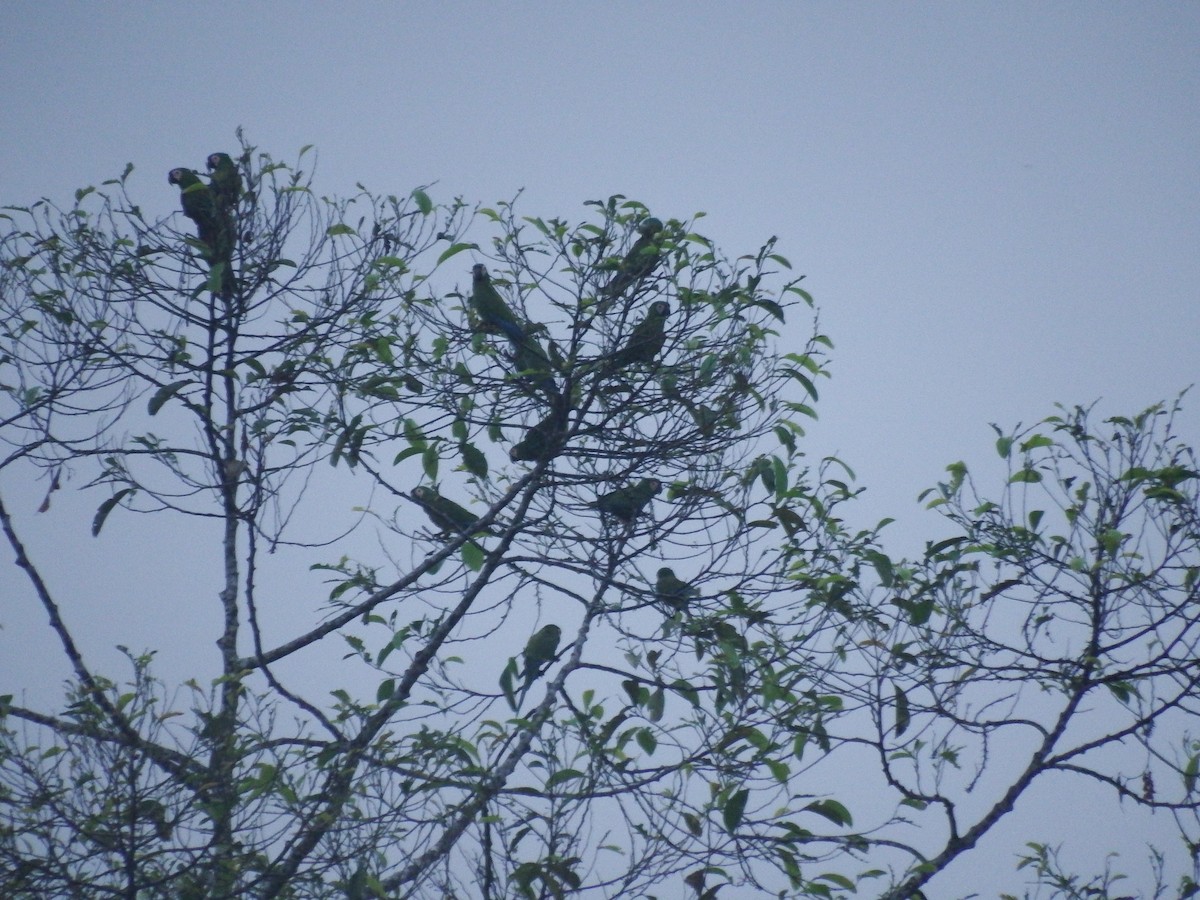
[(997, 206)]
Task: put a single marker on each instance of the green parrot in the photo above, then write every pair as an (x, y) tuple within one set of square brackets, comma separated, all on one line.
[(628, 502), (642, 259), (673, 592), (493, 312), (647, 338), (707, 418), (539, 651), (446, 514), (199, 206), (225, 180), (540, 441), (538, 654)]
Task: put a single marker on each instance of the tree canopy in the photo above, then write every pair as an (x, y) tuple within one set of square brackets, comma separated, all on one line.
[(526, 583)]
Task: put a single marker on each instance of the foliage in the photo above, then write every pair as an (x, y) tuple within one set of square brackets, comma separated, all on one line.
[(323, 389)]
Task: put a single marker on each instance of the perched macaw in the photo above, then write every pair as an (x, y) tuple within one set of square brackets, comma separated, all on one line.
[(643, 257), (628, 502), (225, 179), (540, 441), (445, 514), (647, 338), (672, 591), (494, 314), (199, 206), (539, 651)]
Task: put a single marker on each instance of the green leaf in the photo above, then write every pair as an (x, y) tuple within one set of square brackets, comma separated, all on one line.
[(903, 716), (454, 250), (382, 348), (883, 566), (385, 651), (1190, 771), (472, 556), (538, 224), (1110, 539), (840, 880), (831, 810), (958, 473), (563, 775), (1123, 690), (646, 740), (405, 454), (934, 551), (1004, 446), (633, 690), (424, 204), (804, 380), (335, 230), (1026, 476), (687, 692), (770, 306), (216, 275), (106, 507), (506, 682), (473, 460), (803, 359), (919, 613), (1037, 440), (429, 462), (1166, 493), (799, 742), (348, 443), (656, 704), (414, 434), (779, 471), (734, 809), (792, 522), (163, 394)]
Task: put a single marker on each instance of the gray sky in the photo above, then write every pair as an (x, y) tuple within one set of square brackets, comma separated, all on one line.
[(997, 206)]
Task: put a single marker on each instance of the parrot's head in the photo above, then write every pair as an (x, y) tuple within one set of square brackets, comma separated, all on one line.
[(660, 308), (215, 159), (650, 226), (176, 176)]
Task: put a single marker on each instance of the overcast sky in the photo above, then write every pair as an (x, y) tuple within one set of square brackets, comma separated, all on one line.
[(997, 207)]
